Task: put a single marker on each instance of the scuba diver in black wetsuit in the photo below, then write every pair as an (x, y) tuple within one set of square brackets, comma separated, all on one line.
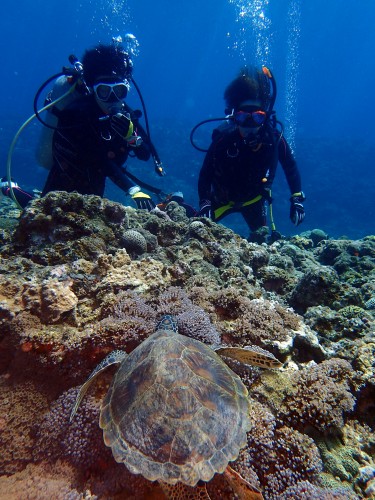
[(240, 165), (91, 134)]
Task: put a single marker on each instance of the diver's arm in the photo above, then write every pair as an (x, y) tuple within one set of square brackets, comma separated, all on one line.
[(117, 174), (289, 166), (142, 152), (205, 176)]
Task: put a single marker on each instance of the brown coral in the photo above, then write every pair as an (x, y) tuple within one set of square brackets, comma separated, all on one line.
[(42, 482), (21, 406)]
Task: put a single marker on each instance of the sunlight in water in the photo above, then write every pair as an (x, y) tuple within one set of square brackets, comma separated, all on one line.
[(252, 15), (294, 29)]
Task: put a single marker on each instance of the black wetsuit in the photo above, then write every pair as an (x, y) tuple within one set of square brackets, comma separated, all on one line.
[(86, 151), (237, 171)]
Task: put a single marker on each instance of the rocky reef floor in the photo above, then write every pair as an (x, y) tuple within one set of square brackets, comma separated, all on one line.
[(81, 276)]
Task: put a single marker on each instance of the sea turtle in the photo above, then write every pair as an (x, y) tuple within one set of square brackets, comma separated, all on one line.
[(176, 413)]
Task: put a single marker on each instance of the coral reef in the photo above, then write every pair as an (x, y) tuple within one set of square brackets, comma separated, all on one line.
[(79, 442), (21, 406), (370, 303), (279, 455), (330, 379), (134, 242), (81, 276)]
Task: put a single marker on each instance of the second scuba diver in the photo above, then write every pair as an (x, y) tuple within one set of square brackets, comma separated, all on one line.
[(240, 164), (94, 133)]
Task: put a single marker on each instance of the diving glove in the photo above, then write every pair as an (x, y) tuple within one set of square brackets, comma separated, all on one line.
[(143, 201), (4, 184), (297, 211), (122, 125), (205, 209)]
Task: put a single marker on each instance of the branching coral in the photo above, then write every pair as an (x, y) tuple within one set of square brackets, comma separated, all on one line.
[(80, 441), (129, 303), (127, 322), (192, 320), (254, 321), (196, 323), (280, 456), (304, 489), (173, 301), (318, 396)]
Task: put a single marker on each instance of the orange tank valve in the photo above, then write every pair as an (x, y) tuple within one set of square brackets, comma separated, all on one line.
[(266, 71)]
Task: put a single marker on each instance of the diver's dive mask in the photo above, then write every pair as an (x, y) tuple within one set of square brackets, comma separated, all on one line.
[(111, 91), (110, 94), (250, 119)]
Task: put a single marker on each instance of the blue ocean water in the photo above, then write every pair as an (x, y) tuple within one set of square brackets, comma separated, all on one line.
[(320, 53)]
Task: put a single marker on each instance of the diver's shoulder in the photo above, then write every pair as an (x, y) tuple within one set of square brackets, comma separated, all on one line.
[(227, 129)]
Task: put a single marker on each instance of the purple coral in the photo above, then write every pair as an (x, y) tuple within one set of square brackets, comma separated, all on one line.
[(319, 396), (304, 489), (280, 456), (129, 303), (81, 441), (127, 322), (21, 405), (196, 323), (174, 301), (192, 320)]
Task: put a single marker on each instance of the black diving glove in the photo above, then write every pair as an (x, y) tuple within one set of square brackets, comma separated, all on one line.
[(143, 201), (205, 209), (297, 211), (122, 125)]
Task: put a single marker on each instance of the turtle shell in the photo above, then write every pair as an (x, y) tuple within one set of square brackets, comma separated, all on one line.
[(175, 411)]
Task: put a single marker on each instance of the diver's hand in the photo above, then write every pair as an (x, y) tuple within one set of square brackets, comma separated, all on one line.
[(205, 209), (297, 211), (122, 125), (143, 201)]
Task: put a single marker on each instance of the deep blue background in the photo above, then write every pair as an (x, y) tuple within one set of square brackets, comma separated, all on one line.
[(189, 52)]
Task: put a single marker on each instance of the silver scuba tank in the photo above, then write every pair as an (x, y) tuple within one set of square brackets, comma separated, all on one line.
[(62, 94)]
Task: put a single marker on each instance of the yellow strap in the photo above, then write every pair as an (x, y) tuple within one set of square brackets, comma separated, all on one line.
[(254, 200), (221, 210), (130, 131)]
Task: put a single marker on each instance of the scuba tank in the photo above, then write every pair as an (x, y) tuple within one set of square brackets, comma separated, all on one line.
[(74, 72), (67, 87), (64, 92)]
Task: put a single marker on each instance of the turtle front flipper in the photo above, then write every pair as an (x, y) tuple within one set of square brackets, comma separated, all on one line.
[(250, 355), (115, 357), (243, 489)]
